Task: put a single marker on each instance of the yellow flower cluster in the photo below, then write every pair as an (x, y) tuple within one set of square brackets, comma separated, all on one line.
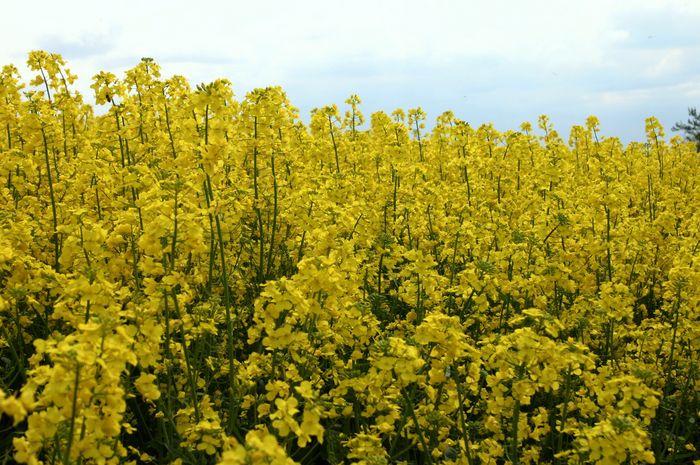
[(187, 277)]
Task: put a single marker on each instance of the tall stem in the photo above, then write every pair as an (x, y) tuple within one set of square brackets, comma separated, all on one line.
[(258, 213), (54, 236), (335, 146), (74, 406)]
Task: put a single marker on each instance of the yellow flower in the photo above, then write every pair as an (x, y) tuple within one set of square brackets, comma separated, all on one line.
[(144, 384), (310, 426), (305, 390), (283, 417), (12, 407)]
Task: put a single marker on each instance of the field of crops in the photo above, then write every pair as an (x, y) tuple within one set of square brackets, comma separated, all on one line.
[(193, 277)]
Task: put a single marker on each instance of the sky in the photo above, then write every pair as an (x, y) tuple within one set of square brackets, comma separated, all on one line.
[(498, 61)]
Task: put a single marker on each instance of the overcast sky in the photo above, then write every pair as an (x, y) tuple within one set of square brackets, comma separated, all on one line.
[(499, 61)]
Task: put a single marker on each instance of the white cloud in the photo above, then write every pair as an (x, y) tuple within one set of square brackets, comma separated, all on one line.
[(669, 61), (625, 97), (619, 36), (643, 95), (292, 33), (572, 52)]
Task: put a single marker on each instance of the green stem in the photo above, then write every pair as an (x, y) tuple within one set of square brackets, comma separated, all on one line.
[(463, 423), (46, 84), (167, 124), (231, 426), (564, 411), (256, 207), (54, 236), (335, 146), (270, 256), (669, 368), (420, 142), (119, 136), (74, 405), (514, 456), (188, 365), (419, 430)]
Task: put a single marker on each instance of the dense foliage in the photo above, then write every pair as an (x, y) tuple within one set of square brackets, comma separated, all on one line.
[(191, 278)]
